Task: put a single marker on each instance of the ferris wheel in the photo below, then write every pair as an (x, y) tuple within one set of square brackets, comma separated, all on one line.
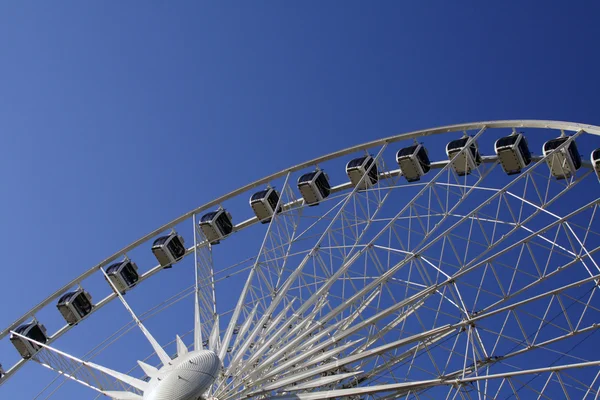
[(450, 263)]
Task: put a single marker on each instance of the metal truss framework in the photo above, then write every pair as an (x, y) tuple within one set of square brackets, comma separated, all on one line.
[(455, 287)]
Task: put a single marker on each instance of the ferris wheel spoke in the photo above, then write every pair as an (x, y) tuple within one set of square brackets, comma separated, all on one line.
[(487, 360), (406, 357), (338, 338), (321, 381), (297, 376), (303, 329), (345, 267), (243, 329), (284, 223), (214, 341), (322, 357), (112, 339), (296, 336), (160, 352), (292, 278), (205, 302), (290, 360), (87, 373), (545, 345), (271, 333), (402, 316), (550, 380), (360, 309)]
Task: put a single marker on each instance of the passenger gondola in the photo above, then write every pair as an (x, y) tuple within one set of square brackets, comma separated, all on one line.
[(358, 167), (216, 225), (513, 153), (413, 162), (33, 330), (467, 160), (123, 275), (564, 162), (314, 187), (264, 204), (74, 306), (2, 373), (169, 249), (595, 158)]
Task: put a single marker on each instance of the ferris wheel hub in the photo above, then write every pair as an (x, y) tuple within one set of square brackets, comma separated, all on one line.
[(185, 378)]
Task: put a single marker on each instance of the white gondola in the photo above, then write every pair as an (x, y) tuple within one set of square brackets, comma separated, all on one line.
[(413, 162), (564, 162), (74, 306), (513, 153), (33, 330), (314, 187), (466, 161), (169, 249), (216, 225), (123, 275), (358, 167), (595, 158), (264, 204), (2, 372)]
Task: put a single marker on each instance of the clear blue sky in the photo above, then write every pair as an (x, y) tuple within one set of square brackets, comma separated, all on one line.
[(107, 106)]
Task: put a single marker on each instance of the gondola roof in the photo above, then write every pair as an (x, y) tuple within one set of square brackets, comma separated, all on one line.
[(357, 162), (554, 143), (65, 297), (208, 216), (259, 195), (22, 328), (458, 143), (161, 240), (507, 141), (407, 151), (308, 176), (114, 267)]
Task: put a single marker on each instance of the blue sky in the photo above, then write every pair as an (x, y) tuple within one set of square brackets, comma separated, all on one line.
[(116, 117)]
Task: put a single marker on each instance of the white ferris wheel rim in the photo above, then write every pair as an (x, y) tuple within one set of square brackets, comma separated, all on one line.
[(538, 124)]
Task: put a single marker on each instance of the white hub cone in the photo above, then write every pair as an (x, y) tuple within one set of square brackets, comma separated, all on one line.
[(186, 378)]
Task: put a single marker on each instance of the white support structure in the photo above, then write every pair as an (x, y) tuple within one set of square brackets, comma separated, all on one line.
[(482, 285), (160, 352), (84, 372)]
